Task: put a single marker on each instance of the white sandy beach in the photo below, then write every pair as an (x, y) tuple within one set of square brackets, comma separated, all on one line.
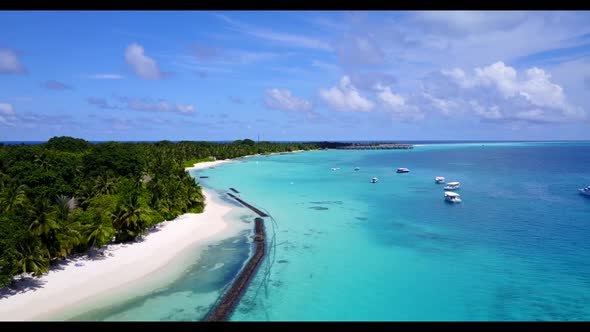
[(123, 263), (207, 164)]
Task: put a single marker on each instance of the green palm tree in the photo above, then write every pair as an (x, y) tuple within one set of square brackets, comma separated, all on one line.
[(105, 185), (67, 239), (155, 189), (85, 192), (3, 180), (31, 260), (44, 218), (99, 232), (12, 196), (65, 205), (195, 197), (41, 161), (130, 218)]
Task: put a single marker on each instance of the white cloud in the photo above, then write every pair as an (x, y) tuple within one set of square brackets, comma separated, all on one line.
[(345, 97), (40, 120), (142, 105), (574, 77), (106, 76), (540, 91), (9, 62), (225, 61), (446, 107), (148, 105), (418, 42), (459, 76), (143, 66), (186, 108), (291, 39), (284, 100), (396, 104), (7, 114), (287, 39), (393, 101), (499, 92), (535, 86), (471, 21), (498, 74), (6, 109), (492, 112)]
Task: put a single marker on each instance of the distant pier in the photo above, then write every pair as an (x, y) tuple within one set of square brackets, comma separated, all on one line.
[(228, 302), (386, 146), (260, 213)]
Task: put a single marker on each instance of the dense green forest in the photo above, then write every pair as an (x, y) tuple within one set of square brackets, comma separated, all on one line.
[(69, 195)]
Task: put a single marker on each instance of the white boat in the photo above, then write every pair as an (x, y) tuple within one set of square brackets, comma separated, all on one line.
[(374, 180), (335, 168), (452, 197), (402, 170), (452, 186), (585, 191), (439, 179)]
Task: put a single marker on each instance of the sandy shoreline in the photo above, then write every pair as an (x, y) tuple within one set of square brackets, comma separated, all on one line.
[(207, 164), (69, 284), (81, 279)]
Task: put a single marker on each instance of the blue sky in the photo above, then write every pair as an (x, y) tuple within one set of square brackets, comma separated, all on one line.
[(295, 75)]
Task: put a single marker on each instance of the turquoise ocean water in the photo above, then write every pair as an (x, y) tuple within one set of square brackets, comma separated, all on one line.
[(342, 248)]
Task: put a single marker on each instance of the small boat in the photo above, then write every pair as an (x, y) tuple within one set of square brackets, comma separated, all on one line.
[(452, 186), (439, 179), (452, 197), (356, 168), (335, 168), (374, 180), (79, 264), (585, 191), (402, 170)]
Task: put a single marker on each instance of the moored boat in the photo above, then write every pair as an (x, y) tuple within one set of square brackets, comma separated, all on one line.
[(439, 179), (452, 186), (452, 197), (585, 191), (402, 170), (374, 180)]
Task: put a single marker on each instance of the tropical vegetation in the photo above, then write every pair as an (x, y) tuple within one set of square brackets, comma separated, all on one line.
[(68, 195)]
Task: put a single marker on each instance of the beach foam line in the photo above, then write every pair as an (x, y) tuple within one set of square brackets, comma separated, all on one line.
[(123, 265)]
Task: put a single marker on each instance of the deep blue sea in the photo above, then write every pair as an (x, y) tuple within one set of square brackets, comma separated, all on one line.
[(344, 249)]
